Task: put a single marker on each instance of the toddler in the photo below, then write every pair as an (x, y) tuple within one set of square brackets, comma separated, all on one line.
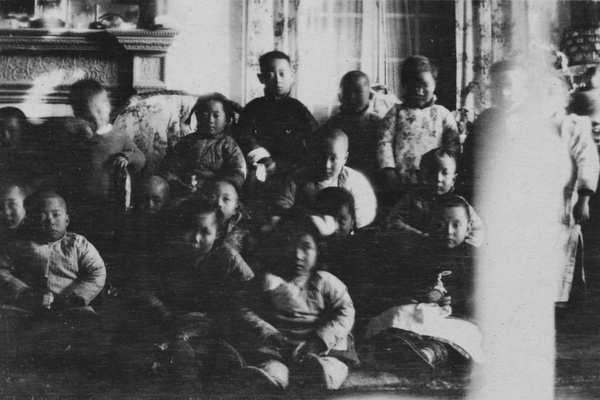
[(102, 154), (413, 128), (187, 291), (329, 170), (357, 120), (21, 158), (339, 203), (224, 195), (14, 127), (52, 277), (140, 231), (54, 263), (208, 153), (296, 318), (413, 214), (419, 333), (275, 130), (12, 212)]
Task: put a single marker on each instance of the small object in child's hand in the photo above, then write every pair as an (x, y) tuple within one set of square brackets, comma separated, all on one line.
[(47, 300)]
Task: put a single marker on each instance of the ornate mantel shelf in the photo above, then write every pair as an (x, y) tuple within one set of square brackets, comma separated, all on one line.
[(37, 65)]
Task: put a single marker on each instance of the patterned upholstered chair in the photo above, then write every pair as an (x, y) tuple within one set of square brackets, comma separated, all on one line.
[(156, 121)]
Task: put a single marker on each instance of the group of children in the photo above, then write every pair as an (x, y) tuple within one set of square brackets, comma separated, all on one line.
[(270, 289)]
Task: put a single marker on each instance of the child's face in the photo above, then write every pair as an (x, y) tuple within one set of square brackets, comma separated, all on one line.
[(303, 251), (203, 236), (419, 91), (99, 109), (355, 95), (226, 197), (12, 212), (332, 158), (52, 220), (212, 118), (10, 134), (277, 78), (442, 175), (345, 221), (154, 198), (509, 88), (454, 226)]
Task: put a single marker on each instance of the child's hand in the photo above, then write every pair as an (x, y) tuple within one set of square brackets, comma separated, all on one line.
[(581, 210), (436, 297), (311, 346), (121, 162), (269, 163)]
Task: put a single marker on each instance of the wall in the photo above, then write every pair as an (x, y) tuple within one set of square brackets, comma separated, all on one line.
[(207, 54)]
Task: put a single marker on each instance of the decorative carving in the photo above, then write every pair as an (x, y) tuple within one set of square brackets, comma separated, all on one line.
[(86, 40), (28, 68), (149, 69), (40, 64)]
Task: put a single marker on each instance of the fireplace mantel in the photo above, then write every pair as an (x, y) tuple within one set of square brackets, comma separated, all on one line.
[(38, 65)]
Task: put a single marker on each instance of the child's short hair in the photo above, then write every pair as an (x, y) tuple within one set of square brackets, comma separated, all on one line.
[(7, 185), (212, 184), (326, 134), (428, 159), (12, 112), (354, 75), (80, 93), (203, 101), (36, 200), (452, 201), (265, 60), (183, 216), (414, 65), (330, 200)]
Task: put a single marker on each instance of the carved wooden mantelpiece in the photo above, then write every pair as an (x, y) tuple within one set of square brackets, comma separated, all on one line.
[(38, 65)]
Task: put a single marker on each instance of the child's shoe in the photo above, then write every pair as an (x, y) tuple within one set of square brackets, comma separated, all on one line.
[(328, 372), (271, 374)]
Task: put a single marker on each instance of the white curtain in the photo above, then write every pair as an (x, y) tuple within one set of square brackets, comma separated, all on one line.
[(488, 31), (325, 39)]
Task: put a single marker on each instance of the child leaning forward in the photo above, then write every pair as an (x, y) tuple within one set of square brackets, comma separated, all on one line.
[(296, 319)]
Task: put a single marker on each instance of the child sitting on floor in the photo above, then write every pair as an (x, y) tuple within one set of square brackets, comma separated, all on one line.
[(329, 170), (210, 152), (54, 275), (186, 292), (21, 158), (412, 214), (275, 130), (12, 210), (350, 252), (236, 225), (413, 128), (54, 264), (357, 120), (297, 319), (420, 333), (140, 231)]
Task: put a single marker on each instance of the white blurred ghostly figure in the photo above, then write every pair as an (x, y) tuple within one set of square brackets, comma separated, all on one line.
[(521, 170), (576, 139)]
